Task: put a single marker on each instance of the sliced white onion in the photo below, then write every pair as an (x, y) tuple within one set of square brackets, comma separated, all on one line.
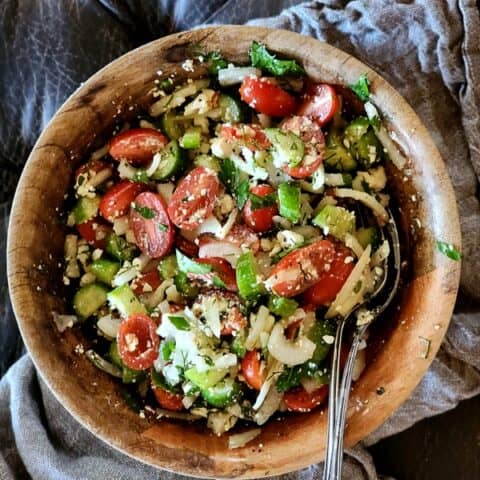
[(211, 312), (385, 139), (62, 322), (353, 244), (155, 163), (368, 200), (287, 351), (381, 254), (241, 439), (160, 412), (159, 294), (233, 75), (225, 230), (274, 370), (120, 225), (166, 190), (125, 170), (102, 364), (260, 322), (99, 153), (109, 325), (125, 275), (222, 249), (311, 384), (334, 180)]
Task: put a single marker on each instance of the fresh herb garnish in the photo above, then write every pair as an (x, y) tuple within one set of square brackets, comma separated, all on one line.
[(292, 376), (361, 88), (257, 201), (167, 348), (231, 177), (180, 323), (166, 85), (449, 250), (145, 212), (242, 192), (262, 58), (216, 62)]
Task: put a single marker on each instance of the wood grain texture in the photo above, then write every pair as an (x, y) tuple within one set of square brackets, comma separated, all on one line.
[(36, 238)]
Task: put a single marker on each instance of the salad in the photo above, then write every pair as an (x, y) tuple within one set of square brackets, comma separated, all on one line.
[(215, 239)]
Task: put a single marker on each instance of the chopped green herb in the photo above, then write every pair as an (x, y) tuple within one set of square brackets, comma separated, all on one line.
[(242, 193), (449, 250), (216, 62), (180, 323), (141, 176), (262, 58), (145, 212), (167, 348), (257, 201), (166, 85), (361, 88)]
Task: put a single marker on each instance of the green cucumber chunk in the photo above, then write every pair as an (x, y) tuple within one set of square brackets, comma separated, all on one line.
[(337, 156), (170, 126), (369, 236), (86, 209), (249, 287), (125, 301), (191, 138), (356, 129), (119, 248), (205, 379), (222, 394), (288, 147), (185, 286), (368, 150), (335, 221), (89, 299), (129, 375), (172, 161), (114, 354), (168, 267), (238, 344), (105, 269), (208, 161), (231, 109), (282, 306), (289, 201), (318, 333)]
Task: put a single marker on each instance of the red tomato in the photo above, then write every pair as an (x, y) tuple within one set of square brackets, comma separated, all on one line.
[(260, 219), (186, 246), (222, 269), (252, 369), (352, 106), (330, 283), (154, 233), (193, 200), (137, 146), (314, 141), (250, 136), (242, 236), (168, 400), (234, 322), (299, 400), (91, 168), (320, 103), (94, 231), (264, 96), (116, 202), (147, 282), (138, 341), (301, 269)]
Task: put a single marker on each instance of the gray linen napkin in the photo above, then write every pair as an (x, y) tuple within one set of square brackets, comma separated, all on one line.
[(429, 51)]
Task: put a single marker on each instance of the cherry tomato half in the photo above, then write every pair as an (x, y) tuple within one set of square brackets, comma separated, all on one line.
[(320, 103), (330, 283), (186, 246), (260, 219), (154, 233), (222, 269), (94, 231), (193, 200), (116, 202), (264, 96), (168, 400), (301, 269), (147, 282), (299, 400), (250, 136), (234, 322), (137, 146), (91, 168), (314, 141), (138, 341), (252, 369)]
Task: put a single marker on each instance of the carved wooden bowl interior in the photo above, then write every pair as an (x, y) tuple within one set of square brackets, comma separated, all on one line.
[(36, 237)]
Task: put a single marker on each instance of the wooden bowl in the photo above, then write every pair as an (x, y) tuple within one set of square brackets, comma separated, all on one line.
[(35, 246)]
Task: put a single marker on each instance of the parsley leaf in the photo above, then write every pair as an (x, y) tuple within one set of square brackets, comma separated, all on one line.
[(360, 88), (180, 323), (216, 62), (242, 192), (167, 348), (231, 177), (262, 58), (257, 201), (449, 250), (145, 212)]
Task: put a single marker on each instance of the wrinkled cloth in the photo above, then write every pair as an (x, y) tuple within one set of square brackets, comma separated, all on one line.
[(428, 50)]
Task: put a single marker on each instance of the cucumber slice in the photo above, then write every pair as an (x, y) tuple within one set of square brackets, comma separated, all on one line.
[(168, 267), (207, 161), (85, 209), (336, 221), (170, 126), (282, 306), (238, 344), (129, 375), (249, 287), (105, 269), (184, 286), (191, 138), (317, 334), (289, 201), (356, 129), (337, 157), (172, 161), (89, 299), (205, 379), (231, 109), (288, 147), (222, 394), (119, 248), (125, 301), (114, 354), (369, 236), (368, 150)]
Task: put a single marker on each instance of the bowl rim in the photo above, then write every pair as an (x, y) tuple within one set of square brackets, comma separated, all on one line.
[(18, 287)]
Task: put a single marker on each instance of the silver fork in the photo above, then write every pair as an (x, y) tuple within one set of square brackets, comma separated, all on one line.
[(339, 392)]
